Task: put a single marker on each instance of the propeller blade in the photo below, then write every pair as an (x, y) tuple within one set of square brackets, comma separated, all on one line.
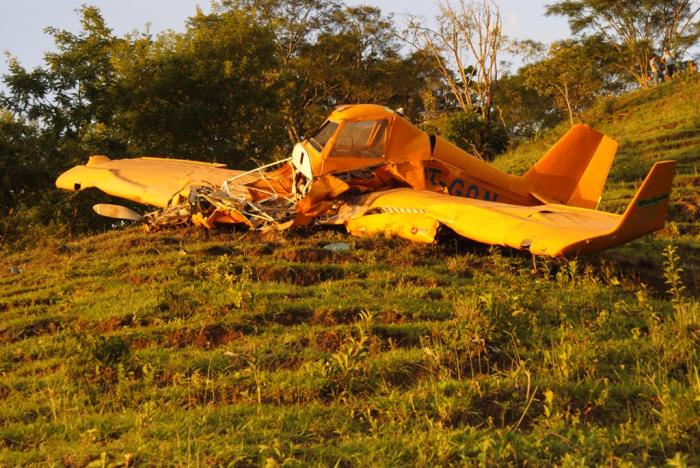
[(116, 211)]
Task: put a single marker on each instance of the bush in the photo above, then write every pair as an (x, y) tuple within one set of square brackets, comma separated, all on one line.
[(469, 131)]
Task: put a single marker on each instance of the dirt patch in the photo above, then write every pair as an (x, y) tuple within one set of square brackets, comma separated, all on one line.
[(214, 335), (404, 337), (5, 391), (328, 340), (288, 316), (115, 323), (686, 209), (40, 327), (312, 255), (63, 249), (108, 325), (389, 316), (169, 241), (140, 278), (404, 375), (179, 339), (434, 294), (138, 242), (31, 302), (643, 271), (262, 250), (219, 250), (301, 275), (331, 316), (208, 337)]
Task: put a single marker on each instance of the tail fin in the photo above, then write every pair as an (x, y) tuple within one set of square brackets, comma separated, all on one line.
[(573, 172), (647, 211)]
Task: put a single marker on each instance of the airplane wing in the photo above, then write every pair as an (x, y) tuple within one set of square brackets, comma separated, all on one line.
[(549, 229), (157, 182), (184, 190)]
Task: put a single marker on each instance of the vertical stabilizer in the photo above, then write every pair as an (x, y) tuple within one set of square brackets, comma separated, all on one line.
[(573, 172), (647, 211)]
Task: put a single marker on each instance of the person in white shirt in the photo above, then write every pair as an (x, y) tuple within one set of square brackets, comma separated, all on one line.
[(669, 62)]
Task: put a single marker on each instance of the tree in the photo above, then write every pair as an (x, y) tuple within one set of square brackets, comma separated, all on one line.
[(465, 47), (330, 54), (675, 20), (353, 59), (574, 74), (296, 25), (362, 58), (240, 85), (29, 161), (465, 129), (207, 94), (633, 28), (72, 93), (522, 109), (22, 165), (295, 22)]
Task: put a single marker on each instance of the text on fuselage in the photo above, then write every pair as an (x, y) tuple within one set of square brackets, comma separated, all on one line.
[(457, 186)]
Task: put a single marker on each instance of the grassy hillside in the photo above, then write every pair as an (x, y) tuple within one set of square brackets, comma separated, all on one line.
[(173, 348)]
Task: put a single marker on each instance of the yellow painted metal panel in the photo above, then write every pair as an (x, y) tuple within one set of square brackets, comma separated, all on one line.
[(550, 229), (151, 181)]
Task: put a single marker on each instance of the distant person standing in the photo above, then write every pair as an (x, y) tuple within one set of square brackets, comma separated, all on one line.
[(669, 62), (655, 66)]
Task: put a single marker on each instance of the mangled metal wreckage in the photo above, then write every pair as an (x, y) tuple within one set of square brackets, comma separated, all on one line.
[(371, 170)]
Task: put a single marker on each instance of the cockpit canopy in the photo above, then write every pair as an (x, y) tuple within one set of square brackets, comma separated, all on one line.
[(360, 139), (361, 136)]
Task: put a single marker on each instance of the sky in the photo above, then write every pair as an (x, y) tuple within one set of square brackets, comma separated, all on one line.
[(23, 21)]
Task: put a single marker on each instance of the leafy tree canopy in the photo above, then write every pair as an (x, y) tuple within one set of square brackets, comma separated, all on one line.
[(634, 29)]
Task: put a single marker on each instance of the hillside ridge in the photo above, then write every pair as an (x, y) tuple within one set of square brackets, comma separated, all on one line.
[(252, 349)]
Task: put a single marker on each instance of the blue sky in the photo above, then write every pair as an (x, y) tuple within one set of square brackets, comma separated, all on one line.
[(23, 21)]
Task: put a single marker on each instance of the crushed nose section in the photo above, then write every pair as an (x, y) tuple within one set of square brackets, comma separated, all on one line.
[(303, 171), (302, 161)]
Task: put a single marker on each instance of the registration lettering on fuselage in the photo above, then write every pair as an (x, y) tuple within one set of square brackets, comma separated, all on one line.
[(457, 186)]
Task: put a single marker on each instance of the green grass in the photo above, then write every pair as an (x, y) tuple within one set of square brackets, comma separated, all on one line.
[(250, 349)]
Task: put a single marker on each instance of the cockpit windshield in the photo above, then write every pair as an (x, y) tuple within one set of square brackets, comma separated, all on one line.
[(321, 137), (361, 139)]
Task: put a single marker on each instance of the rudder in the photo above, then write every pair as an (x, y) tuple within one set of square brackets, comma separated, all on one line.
[(573, 172), (647, 211)]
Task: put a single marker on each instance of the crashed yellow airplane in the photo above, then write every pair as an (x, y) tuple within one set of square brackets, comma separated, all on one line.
[(371, 170)]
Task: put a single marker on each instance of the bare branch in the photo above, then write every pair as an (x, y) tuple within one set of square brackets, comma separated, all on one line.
[(465, 46)]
